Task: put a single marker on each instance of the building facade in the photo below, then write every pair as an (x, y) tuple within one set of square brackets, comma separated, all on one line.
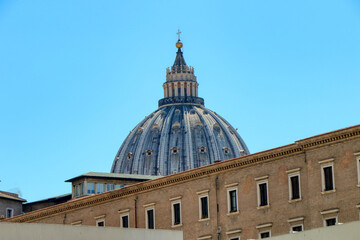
[(312, 183), (10, 204)]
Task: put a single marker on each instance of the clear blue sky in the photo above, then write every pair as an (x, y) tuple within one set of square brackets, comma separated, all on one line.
[(77, 76)]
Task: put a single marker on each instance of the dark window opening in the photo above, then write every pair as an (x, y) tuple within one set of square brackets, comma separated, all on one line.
[(101, 224), (233, 201), (265, 235), (176, 207), (330, 222), (328, 178), (150, 218), (125, 221), (263, 194), (297, 228), (295, 187), (204, 207)]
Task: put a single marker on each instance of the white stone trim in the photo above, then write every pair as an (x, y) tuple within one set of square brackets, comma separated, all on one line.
[(265, 225), (324, 164), (233, 231), (149, 207), (205, 237), (228, 190), (326, 218), (76, 223), (297, 219), (326, 161), (293, 170), (176, 201), (357, 158), (296, 225), (330, 211), (294, 173), (204, 194), (258, 183), (232, 185), (124, 211), (175, 198), (261, 178), (124, 214), (99, 217)]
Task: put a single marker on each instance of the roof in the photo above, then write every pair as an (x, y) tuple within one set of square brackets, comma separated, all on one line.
[(12, 196), (280, 153), (51, 199), (114, 176)]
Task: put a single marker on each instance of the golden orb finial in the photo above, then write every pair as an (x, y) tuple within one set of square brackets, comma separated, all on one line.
[(179, 44)]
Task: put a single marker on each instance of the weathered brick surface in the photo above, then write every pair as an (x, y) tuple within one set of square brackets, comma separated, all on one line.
[(346, 197)]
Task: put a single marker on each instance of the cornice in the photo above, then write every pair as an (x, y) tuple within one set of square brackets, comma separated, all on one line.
[(190, 175)]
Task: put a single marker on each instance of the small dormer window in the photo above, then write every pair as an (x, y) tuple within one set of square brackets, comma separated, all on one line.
[(226, 150), (202, 149), (129, 155), (174, 150), (148, 152)]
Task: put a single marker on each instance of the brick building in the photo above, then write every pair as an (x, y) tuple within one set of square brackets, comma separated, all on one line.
[(308, 184)]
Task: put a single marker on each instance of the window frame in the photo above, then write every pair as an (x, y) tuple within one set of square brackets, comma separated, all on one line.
[(357, 158), (325, 164), (265, 231), (175, 201), (149, 207), (329, 214), (201, 195), (121, 219), (99, 221), (12, 212), (260, 181), (123, 213), (330, 217), (230, 188), (294, 173), (296, 225)]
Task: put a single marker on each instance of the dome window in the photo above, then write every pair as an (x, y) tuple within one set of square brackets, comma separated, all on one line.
[(226, 150), (129, 155), (216, 127), (202, 149), (174, 150), (192, 112), (149, 152), (177, 111)]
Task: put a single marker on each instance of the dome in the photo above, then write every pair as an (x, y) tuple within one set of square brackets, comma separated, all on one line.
[(181, 134)]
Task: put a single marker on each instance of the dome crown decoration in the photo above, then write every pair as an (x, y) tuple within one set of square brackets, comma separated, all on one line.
[(181, 134)]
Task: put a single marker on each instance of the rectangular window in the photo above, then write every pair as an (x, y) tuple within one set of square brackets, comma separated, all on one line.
[(100, 188), (327, 175), (109, 187), (294, 184), (125, 221), (150, 219), (264, 234), (91, 188), (295, 187), (297, 228), (330, 221), (236, 238), (176, 212), (204, 206), (81, 189), (358, 168), (232, 197), (9, 212), (100, 223), (328, 178), (76, 190), (263, 194), (118, 186)]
